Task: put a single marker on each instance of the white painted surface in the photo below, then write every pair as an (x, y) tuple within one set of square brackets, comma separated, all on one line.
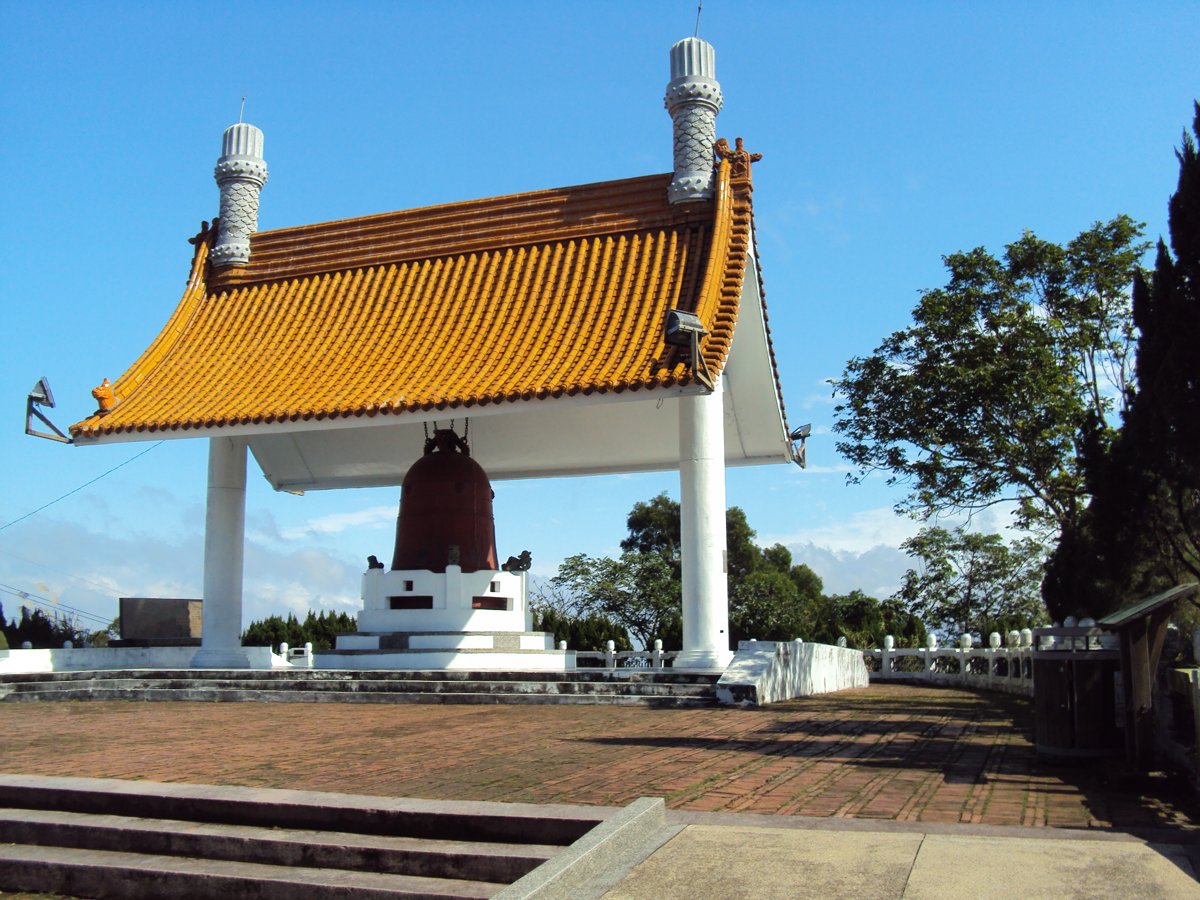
[(224, 541), (474, 661), (452, 593), (635, 431), (86, 659), (770, 671), (702, 533)]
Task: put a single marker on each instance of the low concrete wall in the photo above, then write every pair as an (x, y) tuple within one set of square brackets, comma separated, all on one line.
[(86, 659), (769, 671)]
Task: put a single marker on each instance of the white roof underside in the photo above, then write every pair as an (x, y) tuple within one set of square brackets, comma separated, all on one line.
[(630, 432)]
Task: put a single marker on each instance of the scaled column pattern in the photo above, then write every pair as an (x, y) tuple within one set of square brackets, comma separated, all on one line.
[(693, 99), (702, 537), (241, 173), (224, 540)]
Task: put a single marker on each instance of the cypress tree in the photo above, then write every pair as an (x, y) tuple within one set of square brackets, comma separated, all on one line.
[(1141, 530)]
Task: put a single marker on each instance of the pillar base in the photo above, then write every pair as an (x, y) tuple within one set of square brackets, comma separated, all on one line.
[(716, 660), (220, 659)]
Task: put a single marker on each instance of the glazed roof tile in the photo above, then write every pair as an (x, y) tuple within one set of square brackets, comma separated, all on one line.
[(505, 300)]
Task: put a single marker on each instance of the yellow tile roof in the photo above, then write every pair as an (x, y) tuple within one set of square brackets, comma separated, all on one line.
[(504, 300)]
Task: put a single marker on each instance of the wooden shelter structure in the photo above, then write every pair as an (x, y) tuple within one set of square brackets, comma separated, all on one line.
[(1142, 630)]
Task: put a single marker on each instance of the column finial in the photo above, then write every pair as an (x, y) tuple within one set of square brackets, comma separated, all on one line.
[(693, 99), (240, 173)]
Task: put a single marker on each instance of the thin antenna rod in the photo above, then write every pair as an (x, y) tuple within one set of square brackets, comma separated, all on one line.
[(699, 9), (242, 111)]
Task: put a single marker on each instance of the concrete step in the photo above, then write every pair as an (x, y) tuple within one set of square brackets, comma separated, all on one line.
[(70, 836), (465, 860), (635, 676), (78, 836), (502, 823), (642, 688), (101, 873), (209, 695), (370, 685)]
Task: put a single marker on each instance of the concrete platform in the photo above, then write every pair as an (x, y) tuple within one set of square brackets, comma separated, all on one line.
[(726, 857), (945, 779)]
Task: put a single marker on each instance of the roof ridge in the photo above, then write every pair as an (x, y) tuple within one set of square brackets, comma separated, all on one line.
[(447, 229)]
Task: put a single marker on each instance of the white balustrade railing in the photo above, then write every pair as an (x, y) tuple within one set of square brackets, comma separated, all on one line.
[(611, 658), (1002, 666)]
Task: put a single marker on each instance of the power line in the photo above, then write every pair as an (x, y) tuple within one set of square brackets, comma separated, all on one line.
[(49, 568), (81, 487), (47, 603)]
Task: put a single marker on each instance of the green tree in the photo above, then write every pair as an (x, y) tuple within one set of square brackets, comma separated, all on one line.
[(972, 583), (103, 636), (1141, 531), (767, 593), (774, 601), (639, 591), (902, 624), (43, 631), (654, 527), (586, 632), (855, 616), (765, 605), (986, 396), (319, 630)]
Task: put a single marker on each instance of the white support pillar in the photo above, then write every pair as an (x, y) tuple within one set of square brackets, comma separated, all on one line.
[(702, 538), (224, 541)]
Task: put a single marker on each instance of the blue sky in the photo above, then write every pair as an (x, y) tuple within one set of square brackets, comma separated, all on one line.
[(892, 134)]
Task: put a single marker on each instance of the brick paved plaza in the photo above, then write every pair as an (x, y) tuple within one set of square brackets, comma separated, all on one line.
[(884, 752)]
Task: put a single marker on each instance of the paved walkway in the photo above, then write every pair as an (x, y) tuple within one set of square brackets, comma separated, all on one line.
[(934, 777), (885, 752)]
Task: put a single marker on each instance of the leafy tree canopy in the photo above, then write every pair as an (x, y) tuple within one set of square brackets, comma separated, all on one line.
[(770, 597), (639, 592), (972, 583), (985, 397)]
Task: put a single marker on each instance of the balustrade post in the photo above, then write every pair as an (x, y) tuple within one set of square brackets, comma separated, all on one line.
[(657, 657), (964, 656), (886, 655), (610, 655)]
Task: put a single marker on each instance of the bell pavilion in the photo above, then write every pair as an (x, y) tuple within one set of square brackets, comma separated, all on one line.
[(600, 328)]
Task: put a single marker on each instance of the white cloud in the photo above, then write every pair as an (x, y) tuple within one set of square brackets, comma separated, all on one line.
[(858, 533), (369, 517), (89, 569), (876, 571)]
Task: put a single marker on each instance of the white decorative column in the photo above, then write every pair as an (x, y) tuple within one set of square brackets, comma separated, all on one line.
[(693, 100), (241, 173), (703, 551), (224, 541)]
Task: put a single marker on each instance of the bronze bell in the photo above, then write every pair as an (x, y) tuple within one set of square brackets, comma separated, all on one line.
[(445, 510)]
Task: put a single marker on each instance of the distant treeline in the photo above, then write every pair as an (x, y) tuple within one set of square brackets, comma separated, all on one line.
[(319, 630)]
